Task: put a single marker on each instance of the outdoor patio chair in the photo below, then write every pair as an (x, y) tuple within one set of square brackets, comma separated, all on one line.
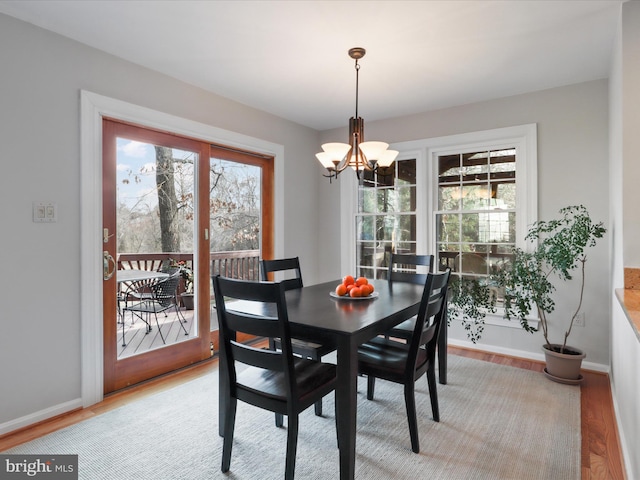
[(155, 297)]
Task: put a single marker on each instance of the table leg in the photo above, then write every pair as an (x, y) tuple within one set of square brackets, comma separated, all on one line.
[(346, 400)]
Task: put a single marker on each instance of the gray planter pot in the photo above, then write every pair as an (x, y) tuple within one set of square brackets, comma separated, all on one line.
[(563, 367), (187, 300)]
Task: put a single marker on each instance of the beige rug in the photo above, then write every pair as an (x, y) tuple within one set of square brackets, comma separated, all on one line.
[(497, 422)]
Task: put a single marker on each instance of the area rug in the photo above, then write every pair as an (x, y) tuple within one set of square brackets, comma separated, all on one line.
[(496, 422)]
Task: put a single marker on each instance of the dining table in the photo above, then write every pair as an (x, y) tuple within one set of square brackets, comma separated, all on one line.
[(343, 323)]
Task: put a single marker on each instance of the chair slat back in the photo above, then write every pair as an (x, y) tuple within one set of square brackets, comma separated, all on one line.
[(398, 271), (291, 265), (267, 318), (431, 314), (164, 291)]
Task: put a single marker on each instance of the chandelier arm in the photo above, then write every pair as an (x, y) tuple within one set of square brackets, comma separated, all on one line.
[(344, 163)]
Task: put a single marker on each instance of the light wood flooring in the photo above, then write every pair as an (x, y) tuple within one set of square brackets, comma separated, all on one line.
[(601, 454)]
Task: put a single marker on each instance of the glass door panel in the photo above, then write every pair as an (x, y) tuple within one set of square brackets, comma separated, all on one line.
[(155, 235), (150, 206), (235, 219)]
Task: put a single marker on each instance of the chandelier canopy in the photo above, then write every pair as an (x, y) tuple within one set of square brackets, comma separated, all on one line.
[(357, 154)]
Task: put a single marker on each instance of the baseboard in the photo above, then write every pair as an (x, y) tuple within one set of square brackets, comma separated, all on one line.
[(40, 416), (596, 367)]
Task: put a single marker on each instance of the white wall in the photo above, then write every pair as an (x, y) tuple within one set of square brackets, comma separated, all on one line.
[(572, 169), (41, 77)]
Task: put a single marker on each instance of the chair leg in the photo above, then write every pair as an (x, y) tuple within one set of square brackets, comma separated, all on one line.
[(230, 421), (371, 386), (410, 403), (159, 329), (279, 420), (318, 404), (292, 444), (181, 319), (433, 393)]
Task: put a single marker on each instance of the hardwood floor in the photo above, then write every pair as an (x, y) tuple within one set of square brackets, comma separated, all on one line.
[(601, 454)]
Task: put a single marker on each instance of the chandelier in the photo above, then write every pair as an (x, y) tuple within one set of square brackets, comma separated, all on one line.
[(357, 154)]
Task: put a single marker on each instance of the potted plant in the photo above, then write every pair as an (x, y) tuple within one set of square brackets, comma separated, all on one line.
[(527, 282), (186, 273)]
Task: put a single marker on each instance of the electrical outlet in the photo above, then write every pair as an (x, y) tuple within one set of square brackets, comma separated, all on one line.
[(579, 321)]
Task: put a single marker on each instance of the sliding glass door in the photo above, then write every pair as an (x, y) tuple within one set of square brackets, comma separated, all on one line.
[(173, 207)]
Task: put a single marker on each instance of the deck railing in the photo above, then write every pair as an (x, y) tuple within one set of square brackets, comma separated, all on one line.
[(241, 264)]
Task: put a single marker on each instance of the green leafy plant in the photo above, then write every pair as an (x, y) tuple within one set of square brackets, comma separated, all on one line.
[(470, 300), (560, 250)]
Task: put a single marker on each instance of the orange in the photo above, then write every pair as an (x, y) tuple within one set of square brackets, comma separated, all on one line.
[(348, 280), (361, 281), (355, 292), (341, 290), (366, 290)]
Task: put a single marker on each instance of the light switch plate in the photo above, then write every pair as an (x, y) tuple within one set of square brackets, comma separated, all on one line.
[(45, 212)]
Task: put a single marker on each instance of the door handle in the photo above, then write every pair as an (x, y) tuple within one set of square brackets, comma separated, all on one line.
[(107, 259)]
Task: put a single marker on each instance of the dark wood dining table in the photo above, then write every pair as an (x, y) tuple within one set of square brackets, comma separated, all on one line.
[(316, 316)]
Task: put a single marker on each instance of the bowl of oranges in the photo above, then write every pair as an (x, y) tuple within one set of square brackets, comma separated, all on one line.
[(354, 289)]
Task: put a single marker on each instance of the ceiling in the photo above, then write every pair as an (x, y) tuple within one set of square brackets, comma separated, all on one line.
[(290, 57)]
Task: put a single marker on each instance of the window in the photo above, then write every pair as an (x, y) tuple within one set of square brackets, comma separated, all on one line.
[(475, 215), (468, 199), (386, 218)]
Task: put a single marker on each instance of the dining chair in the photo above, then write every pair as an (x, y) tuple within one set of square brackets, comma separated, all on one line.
[(287, 266), (403, 268), (155, 296), (403, 363), (291, 267), (274, 380), (398, 272)]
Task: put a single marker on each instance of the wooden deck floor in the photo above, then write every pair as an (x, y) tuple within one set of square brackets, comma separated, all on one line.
[(138, 340)]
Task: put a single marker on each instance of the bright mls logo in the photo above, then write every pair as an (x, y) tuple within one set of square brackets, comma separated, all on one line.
[(51, 467)]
